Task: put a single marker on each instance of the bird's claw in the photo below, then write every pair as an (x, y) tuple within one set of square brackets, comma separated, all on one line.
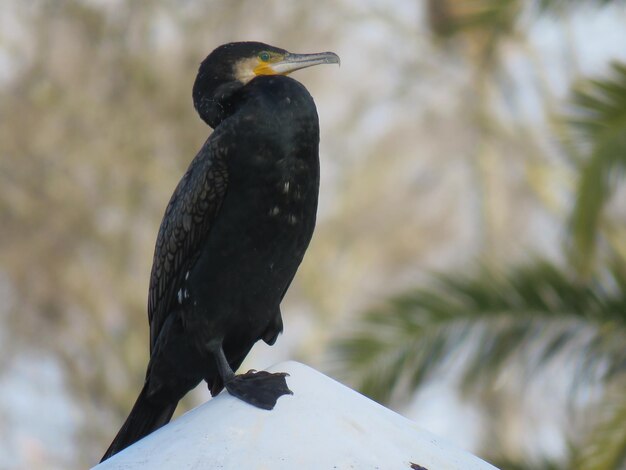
[(261, 389)]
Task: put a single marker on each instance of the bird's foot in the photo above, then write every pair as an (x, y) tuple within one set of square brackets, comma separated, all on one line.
[(261, 389)]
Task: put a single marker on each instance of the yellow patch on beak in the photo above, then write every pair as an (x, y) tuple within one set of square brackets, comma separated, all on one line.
[(252, 67), (264, 65), (264, 68)]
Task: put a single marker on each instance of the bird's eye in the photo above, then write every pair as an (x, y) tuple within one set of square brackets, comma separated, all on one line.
[(264, 56)]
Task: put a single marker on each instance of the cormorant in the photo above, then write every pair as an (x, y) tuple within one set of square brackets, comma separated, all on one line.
[(233, 233)]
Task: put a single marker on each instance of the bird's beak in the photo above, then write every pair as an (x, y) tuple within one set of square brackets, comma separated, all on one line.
[(292, 62)]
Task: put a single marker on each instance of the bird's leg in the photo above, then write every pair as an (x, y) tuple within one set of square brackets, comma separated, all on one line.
[(261, 389), (223, 367)]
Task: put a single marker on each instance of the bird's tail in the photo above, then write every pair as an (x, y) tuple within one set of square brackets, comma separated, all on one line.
[(144, 418)]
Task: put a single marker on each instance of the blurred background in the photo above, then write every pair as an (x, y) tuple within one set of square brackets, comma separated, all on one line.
[(468, 265)]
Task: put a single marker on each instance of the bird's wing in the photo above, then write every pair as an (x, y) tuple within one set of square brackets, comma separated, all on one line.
[(187, 221)]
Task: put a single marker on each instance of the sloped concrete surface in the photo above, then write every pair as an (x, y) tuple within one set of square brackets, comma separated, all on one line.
[(324, 425)]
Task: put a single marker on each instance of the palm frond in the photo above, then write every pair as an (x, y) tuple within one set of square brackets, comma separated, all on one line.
[(560, 5), (537, 312), (598, 128), (450, 17), (605, 446), (504, 464)]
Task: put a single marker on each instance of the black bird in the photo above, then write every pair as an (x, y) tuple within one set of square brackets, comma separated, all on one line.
[(233, 234)]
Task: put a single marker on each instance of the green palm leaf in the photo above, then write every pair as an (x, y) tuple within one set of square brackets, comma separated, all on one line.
[(559, 5), (450, 17), (497, 18), (531, 314), (505, 464), (605, 446), (598, 128)]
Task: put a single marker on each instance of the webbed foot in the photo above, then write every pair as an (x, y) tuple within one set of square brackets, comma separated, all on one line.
[(261, 389)]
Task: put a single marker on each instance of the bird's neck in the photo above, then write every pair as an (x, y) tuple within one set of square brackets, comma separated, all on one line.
[(217, 100)]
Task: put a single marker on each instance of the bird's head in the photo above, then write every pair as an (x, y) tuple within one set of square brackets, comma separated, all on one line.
[(232, 66)]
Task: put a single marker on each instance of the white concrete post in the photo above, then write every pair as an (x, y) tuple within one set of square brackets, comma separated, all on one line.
[(324, 425)]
